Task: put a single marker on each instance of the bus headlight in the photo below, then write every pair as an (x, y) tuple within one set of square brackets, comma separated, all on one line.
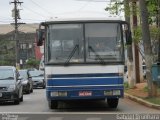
[(112, 92), (58, 94), (108, 92), (116, 92)]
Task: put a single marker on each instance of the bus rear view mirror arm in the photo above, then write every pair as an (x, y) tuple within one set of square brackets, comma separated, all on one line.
[(128, 37), (40, 37)]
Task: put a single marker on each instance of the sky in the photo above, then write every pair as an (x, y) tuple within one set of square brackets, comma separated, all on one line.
[(36, 11)]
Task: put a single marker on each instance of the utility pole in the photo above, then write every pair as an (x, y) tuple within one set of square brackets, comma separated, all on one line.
[(158, 32), (16, 16)]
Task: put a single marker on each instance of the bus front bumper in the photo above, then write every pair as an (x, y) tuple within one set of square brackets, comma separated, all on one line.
[(84, 94)]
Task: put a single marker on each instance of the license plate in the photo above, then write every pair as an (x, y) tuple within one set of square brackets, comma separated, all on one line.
[(0, 94), (85, 93)]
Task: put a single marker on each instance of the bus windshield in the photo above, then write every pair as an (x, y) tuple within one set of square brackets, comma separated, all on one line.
[(84, 43)]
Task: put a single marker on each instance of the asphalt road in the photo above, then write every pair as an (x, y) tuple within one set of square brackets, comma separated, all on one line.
[(36, 104)]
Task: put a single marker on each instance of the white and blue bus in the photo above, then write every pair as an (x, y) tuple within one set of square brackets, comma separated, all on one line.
[(84, 58)]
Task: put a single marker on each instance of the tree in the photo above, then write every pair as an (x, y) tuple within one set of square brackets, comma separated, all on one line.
[(148, 10), (113, 9), (129, 48), (147, 47), (152, 6), (116, 7), (33, 63)]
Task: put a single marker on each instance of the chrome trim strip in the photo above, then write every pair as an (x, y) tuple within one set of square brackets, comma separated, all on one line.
[(85, 86), (85, 77)]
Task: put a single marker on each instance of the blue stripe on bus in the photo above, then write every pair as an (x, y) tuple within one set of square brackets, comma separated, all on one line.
[(84, 88), (88, 81)]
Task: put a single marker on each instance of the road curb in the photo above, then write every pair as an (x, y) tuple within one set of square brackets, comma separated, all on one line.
[(141, 101)]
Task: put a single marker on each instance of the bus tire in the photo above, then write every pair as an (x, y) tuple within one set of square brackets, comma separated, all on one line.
[(112, 102), (53, 104)]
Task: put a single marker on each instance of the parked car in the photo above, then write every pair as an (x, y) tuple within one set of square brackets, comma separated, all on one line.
[(10, 85), (144, 72), (38, 78), (32, 69), (26, 81)]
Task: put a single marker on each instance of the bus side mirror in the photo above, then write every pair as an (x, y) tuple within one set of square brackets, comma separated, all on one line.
[(127, 33), (128, 37), (40, 37)]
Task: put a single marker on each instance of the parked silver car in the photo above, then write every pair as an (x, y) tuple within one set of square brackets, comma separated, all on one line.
[(38, 78), (10, 85), (26, 81)]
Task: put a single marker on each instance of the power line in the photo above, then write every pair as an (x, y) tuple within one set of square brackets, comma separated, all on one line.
[(39, 14), (11, 20), (5, 21), (1, 17), (84, 5), (31, 26), (89, 1), (41, 7), (32, 19)]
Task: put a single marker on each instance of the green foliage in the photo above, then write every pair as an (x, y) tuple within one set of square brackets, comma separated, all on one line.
[(116, 7), (145, 89), (154, 32), (3, 62), (33, 63), (7, 52), (155, 100), (152, 6), (126, 85), (137, 34)]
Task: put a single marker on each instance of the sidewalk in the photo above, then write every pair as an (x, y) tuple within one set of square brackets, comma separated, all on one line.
[(138, 94)]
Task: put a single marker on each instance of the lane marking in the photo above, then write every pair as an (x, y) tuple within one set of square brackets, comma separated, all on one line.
[(94, 119), (55, 118), (23, 118), (60, 113)]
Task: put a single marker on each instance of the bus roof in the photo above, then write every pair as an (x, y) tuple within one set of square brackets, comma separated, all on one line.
[(85, 16)]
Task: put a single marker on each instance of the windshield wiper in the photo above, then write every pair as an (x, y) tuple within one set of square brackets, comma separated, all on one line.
[(71, 54), (97, 56), (41, 75), (35, 76), (6, 78)]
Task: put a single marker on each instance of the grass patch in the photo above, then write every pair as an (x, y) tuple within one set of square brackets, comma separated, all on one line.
[(154, 100), (158, 90)]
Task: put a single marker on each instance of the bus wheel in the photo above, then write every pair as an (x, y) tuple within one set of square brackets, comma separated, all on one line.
[(112, 102), (53, 104)]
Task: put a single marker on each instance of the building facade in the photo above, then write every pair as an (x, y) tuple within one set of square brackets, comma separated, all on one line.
[(26, 44)]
